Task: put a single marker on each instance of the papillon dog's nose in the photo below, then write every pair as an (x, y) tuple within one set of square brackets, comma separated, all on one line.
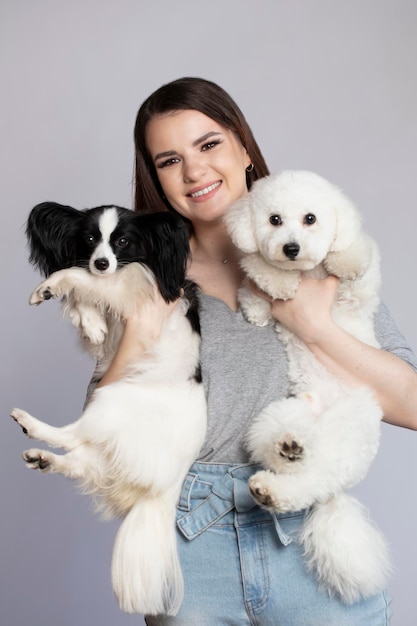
[(101, 264), (291, 250)]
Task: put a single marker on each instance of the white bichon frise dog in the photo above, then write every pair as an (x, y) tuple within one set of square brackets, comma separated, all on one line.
[(320, 440)]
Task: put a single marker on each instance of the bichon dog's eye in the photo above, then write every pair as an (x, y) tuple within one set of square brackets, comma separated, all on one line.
[(309, 219), (275, 220), (122, 242)]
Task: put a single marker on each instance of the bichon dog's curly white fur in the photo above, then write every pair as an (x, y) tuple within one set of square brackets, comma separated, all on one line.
[(320, 440)]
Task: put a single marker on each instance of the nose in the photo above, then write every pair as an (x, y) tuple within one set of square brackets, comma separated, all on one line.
[(291, 250), (101, 264), (193, 168)]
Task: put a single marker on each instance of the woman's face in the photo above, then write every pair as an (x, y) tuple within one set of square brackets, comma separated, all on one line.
[(200, 164)]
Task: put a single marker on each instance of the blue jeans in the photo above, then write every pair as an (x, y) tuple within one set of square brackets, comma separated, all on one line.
[(243, 566)]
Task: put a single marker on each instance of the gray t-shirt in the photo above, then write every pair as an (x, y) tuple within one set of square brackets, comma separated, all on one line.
[(244, 368)]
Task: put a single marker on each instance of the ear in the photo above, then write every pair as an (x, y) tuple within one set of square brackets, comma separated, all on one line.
[(169, 247), (348, 222), (238, 220), (50, 231)]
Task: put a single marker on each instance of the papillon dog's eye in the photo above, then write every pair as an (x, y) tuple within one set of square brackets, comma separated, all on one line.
[(275, 220), (122, 242), (89, 240), (309, 219)]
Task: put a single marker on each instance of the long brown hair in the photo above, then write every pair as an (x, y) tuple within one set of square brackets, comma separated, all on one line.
[(183, 94)]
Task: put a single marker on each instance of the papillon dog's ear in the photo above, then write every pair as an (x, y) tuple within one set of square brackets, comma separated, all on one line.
[(238, 220), (50, 231), (169, 237)]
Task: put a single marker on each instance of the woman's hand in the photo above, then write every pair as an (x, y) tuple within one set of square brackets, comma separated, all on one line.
[(308, 315)]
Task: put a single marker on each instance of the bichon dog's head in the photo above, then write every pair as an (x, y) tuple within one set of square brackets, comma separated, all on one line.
[(293, 220)]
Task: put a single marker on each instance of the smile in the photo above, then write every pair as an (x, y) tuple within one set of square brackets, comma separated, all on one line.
[(205, 191)]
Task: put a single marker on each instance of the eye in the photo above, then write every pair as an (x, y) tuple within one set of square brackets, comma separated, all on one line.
[(167, 162), (275, 220), (89, 239), (210, 145), (309, 219), (122, 242)]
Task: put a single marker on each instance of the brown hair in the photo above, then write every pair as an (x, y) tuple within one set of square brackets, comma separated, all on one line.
[(183, 94)]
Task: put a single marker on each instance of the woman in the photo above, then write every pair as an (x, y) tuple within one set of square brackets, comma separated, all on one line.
[(195, 154)]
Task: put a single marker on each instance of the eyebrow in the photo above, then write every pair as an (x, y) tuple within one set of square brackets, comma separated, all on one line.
[(170, 153)]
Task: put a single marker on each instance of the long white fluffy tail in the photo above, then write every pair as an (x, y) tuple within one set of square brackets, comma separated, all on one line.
[(146, 573), (345, 549)]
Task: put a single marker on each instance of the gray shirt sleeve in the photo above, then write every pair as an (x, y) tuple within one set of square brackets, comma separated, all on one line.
[(390, 338)]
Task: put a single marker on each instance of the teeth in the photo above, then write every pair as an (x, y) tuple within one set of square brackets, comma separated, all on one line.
[(205, 191)]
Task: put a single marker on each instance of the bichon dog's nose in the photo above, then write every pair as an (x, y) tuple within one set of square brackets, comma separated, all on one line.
[(101, 264), (291, 250)]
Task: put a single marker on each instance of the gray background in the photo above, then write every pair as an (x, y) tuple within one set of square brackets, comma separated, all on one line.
[(326, 85)]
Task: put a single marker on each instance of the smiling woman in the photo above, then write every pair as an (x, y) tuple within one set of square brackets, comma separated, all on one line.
[(200, 165), (196, 155)]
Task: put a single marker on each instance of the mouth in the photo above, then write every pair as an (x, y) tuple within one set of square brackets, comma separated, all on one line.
[(204, 191)]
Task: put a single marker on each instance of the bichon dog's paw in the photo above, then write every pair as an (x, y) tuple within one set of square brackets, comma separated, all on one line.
[(38, 459), (261, 486), (258, 316), (255, 309), (290, 449), (285, 285), (352, 262)]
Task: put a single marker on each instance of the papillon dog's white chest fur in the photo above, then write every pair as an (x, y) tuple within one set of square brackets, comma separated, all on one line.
[(137, 437)]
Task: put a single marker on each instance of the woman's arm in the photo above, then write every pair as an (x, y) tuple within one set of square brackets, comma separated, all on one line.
[(141, 331), (308, 315)]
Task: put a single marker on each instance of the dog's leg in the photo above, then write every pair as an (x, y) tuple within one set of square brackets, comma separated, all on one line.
[(88, 319), (275, 282), (63, 437), (255, 309), (74, 464), (345, 444), (286, 492), (283, 435), (354, 261), (113, 291), (62, 283)]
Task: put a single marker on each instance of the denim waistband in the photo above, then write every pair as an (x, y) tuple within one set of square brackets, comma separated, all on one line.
[(220, 489)]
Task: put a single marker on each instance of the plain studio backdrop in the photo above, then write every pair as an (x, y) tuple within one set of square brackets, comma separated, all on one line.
[(326, 85)]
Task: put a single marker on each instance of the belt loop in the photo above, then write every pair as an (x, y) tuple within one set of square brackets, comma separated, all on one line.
[(283, 537), (184, 502)]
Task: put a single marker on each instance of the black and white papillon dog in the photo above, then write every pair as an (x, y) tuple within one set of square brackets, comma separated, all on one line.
[(137, 437)]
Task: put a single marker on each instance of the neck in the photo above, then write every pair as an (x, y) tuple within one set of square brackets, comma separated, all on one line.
[(215, 264), (213, 244)]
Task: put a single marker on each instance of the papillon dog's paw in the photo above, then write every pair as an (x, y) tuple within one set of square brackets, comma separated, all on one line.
[(38, 459), (93, 326), (24, 420), (262, 489), (44, 291), (95, 334)]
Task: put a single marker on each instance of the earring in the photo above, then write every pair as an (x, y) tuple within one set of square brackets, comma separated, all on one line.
[(250, 167)]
